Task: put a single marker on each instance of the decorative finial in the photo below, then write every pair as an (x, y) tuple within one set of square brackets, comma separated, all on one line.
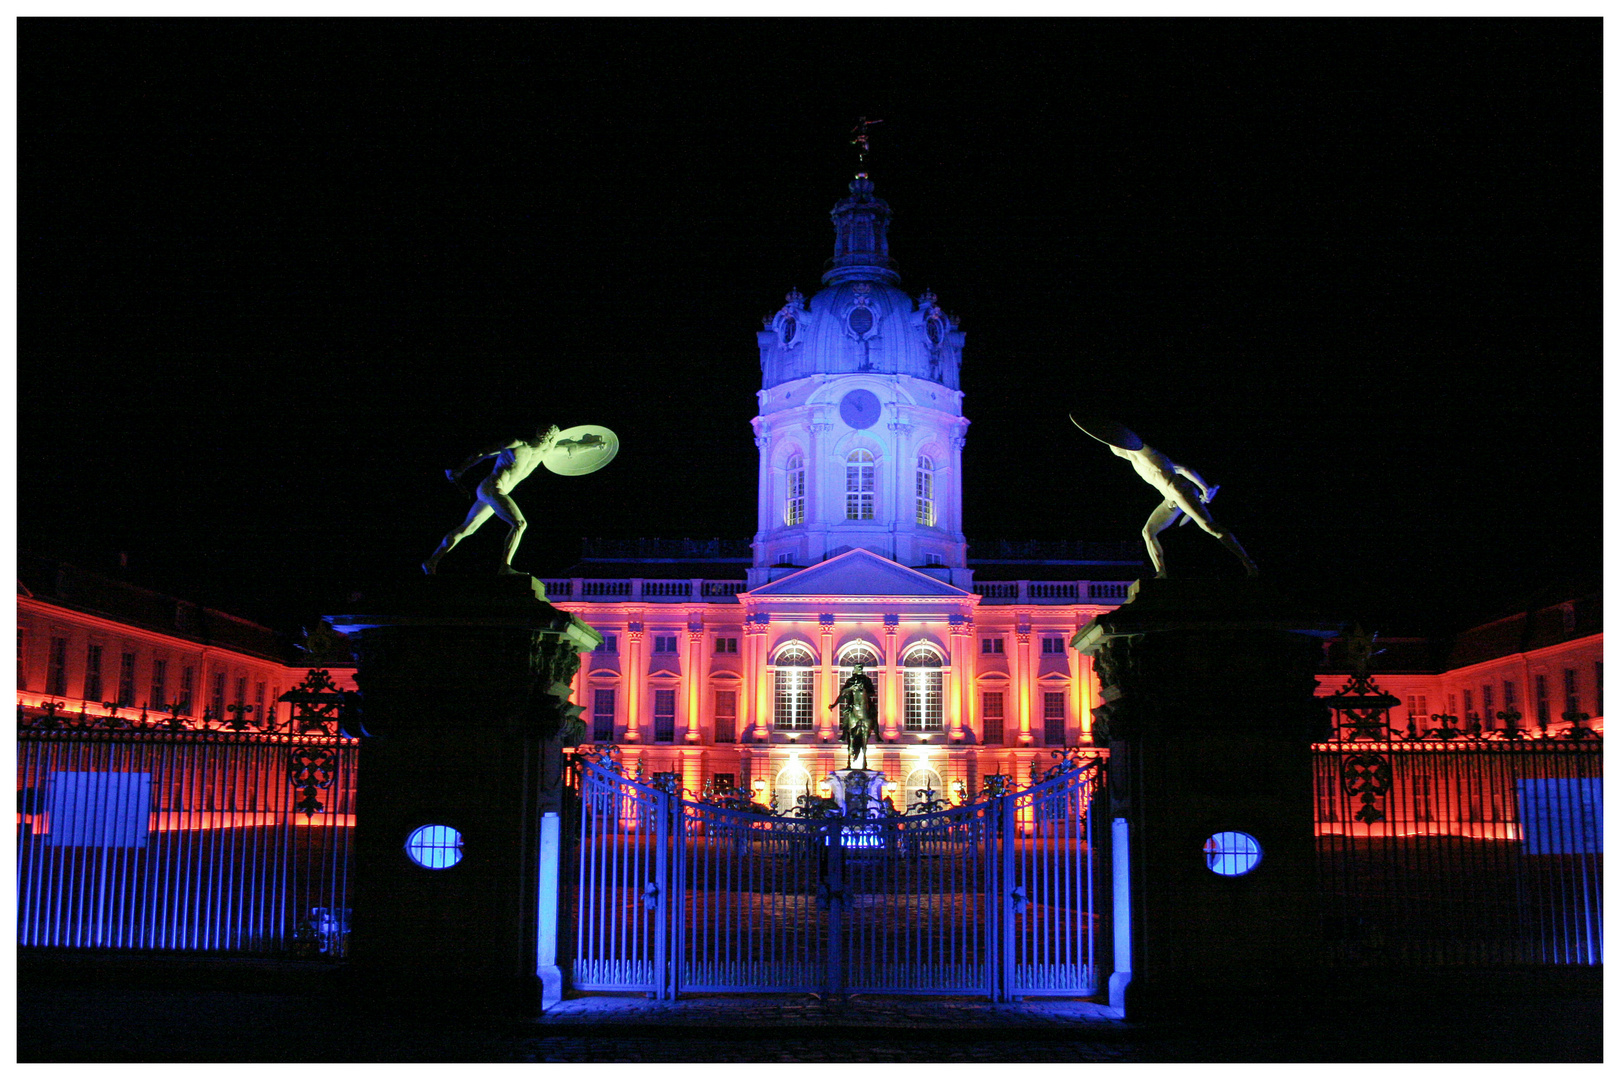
[(863, 141)]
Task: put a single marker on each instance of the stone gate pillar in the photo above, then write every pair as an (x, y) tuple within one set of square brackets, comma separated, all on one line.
[(1208, 710), (464, 685)]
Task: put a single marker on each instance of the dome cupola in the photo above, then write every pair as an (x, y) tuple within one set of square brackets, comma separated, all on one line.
[(861, 249)]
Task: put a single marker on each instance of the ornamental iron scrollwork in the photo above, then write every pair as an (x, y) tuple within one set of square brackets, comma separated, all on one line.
[(311, 770), (1367, 776), (318, 706)]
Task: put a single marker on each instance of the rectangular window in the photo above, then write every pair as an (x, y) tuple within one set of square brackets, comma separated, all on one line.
[(725, 645), (92, 673), (663, 716), (793, 698), (602, 705), (1510, 694), (273, 717), (795, 497), (1422, 799), (216, 698), (1052, 646), (991, 711), (160, 672), (993, 645), (126, 678), (860, 486), (1572, 695), (925, 496), (723, 782), (925, 692), (1451, 704), (610, 643), (56, 671), (1543, 709), (258, 701), (1417, 707), (1053, 714), (664, 643), (1487, 697), (725, 716), (188, 687), (1468, 703), (241, 690)]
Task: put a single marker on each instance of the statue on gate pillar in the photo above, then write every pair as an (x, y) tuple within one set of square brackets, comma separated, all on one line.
[(1186, 495), (857, 715)]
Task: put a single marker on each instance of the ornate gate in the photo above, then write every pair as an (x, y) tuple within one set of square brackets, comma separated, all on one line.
[(994, 898)]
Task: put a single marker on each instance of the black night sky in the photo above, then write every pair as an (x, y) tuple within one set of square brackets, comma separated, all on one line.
[(274, 276)]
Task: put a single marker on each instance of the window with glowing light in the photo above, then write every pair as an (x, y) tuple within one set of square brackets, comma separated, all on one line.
[(434, 847), (859, 652), (860, 486), (925, 689), (794, 675), (925, 490), (794, 514), (792, 784), (1231, 854), (924, 791)]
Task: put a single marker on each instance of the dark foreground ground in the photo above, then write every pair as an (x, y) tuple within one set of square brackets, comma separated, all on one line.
[(164, 1010)]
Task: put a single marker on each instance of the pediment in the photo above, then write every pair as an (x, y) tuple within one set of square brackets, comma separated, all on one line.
[(856, 573)]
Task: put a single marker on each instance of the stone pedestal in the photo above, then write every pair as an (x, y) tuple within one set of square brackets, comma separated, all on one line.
[(867, 782), (1209, 709), (464, 687)]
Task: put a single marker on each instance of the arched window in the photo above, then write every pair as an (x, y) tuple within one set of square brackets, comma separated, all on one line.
[(794, 511), (860, 486), (924, 791), (925, 689), (860, 652), (925, 490), (791, 783), (795, 674)]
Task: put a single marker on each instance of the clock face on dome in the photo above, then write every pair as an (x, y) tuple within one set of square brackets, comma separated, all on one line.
[(860, 409)]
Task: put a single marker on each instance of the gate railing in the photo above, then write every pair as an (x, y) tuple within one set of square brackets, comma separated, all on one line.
[(1461, 850), (677, 896), (181, 839)]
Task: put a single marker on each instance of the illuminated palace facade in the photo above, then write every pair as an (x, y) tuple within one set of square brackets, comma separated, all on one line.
[(719, 665)]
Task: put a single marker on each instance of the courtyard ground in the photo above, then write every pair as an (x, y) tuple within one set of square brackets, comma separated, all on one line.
[(160, 1010)]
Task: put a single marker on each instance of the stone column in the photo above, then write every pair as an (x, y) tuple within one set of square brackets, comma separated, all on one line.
[(1209, 710), (464, 686), (826, 719), (889, 710)]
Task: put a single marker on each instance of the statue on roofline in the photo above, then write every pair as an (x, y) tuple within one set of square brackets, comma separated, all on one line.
[(1186, 495)]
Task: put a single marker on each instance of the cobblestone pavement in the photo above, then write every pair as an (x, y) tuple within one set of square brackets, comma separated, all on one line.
[(244, 1012), (157, 1024)]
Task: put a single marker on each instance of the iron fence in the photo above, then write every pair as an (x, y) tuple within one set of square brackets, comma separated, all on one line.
[(1457, 851), (166, 835)]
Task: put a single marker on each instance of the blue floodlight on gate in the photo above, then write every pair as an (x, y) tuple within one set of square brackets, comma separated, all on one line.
[(434, 847), (1231, 854)]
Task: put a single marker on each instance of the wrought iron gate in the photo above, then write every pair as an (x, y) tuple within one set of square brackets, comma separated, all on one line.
[(994, 898)]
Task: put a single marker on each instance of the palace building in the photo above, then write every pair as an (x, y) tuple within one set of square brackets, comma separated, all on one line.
[(720, 663)]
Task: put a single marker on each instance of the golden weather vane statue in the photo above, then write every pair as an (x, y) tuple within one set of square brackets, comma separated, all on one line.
[(861, 139)]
